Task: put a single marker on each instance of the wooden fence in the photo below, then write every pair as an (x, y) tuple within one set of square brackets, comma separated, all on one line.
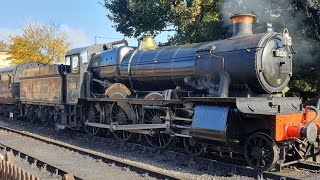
[(9, 171)]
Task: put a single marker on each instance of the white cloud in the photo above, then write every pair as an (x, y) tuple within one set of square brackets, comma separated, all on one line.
[(77, 36), (6, 32)]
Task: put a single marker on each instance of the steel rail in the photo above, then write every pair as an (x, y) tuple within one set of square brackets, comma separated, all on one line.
[(206, 160), (125, 164), (145, 171)]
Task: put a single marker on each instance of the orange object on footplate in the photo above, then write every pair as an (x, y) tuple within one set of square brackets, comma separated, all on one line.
[(294, 131), (289, 126)]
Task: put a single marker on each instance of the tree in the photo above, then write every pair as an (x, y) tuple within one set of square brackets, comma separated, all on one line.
[(39, 42), (3, 46), (191, 20)]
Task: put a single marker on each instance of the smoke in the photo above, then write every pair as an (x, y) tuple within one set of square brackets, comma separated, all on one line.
[(202, 84), (278, 13), (282, 14), (257, 7), (59, 127)]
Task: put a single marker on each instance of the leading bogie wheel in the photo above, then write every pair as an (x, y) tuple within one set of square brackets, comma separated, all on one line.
[(261, 152)]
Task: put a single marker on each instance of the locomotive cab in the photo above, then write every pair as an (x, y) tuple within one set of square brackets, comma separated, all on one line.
[(73, 66), (80, 78)]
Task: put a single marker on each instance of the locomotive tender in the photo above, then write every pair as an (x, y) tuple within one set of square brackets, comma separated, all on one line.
[(215, 96)]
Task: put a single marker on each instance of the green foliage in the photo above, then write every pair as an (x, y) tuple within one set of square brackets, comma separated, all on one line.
[(130, 16), (40, 43), (191, 20)]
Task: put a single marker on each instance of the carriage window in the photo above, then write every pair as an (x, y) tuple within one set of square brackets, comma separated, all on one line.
[(75, 64), (84, 58), (5, 77)]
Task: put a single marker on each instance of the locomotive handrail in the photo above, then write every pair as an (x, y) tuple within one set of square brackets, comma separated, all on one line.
[(213, 55), (123, 41), (222, 58), (316, 110)]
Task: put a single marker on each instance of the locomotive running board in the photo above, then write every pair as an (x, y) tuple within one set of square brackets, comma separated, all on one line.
[(269, 106), (128, 127)]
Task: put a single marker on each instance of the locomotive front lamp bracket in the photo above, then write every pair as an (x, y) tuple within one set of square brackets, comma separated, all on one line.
[(288, 39)]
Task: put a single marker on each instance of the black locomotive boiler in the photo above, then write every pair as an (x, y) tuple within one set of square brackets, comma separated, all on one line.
[(260, 64), (217, 96)]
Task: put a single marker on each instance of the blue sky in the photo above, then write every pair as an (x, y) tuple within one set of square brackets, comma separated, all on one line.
[(82, 19)]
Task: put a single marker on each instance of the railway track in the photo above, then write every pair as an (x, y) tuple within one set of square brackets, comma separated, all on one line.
[(34, 162), (146, 171)]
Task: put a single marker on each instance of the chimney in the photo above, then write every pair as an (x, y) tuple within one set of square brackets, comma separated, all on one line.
[(242, 25)]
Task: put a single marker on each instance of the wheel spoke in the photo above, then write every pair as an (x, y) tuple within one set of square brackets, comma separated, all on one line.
[(261, 152), (260, 142), (93, 115), (192, 147), (119, 116), (159, 140), (150, 116)]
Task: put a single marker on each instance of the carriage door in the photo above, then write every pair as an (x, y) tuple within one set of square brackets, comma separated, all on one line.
[(72, 80)]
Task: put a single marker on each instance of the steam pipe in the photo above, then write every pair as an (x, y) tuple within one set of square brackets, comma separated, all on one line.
[(318, 103), (224, 78), (224, 84), (316, 110)]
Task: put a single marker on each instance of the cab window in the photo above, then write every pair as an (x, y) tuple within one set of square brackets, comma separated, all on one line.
[(75, 64), (67, 61), (84, 58)]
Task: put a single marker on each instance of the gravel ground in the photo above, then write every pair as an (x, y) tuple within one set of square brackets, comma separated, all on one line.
[(71, 162), (187, 169)]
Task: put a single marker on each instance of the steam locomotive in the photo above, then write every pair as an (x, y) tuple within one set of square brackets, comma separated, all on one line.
[(217, 96)]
